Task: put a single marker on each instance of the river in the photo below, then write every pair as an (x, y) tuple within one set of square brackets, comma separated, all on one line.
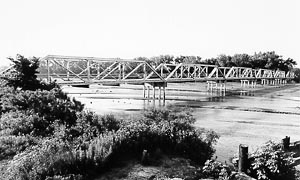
[(240, 117)]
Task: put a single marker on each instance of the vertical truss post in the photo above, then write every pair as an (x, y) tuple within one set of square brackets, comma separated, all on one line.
[(68, 72), (181, 71), (120, 70), (98, 69), (123, 71), (145, 71), (88, 64)]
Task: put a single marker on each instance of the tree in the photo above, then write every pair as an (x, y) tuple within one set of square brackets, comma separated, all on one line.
[(157, 60), (241, 60), (297, 75), (188, 59), (210, 61), (25, 73), (224, 61)]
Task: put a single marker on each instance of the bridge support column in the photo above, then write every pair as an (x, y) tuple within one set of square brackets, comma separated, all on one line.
[(161, 90), (277, 82), (211, 85), (148, 92), (253, 84), (245, 83), (219, 86), (144, 91), (284, 81), (222, 87)]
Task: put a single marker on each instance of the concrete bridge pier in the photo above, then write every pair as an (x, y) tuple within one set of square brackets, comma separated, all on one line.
[(250, 83), (266, 82), (245, 83), (156, 86), (253, 83), (222, 88), (284, 81), (219, 86), (211, 85)]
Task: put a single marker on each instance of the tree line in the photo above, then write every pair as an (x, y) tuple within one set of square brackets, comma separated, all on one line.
[(263, 60)]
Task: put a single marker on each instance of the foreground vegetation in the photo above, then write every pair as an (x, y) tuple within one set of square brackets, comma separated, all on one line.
[(46, 135)]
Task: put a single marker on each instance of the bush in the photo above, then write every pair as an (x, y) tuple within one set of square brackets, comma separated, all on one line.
[(49, 105), (27, 116), (51, 157), (216, 170), (107, 140), (172, 132), (271, 163)]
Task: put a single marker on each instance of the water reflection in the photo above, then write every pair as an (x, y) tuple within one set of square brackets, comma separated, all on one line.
[(216, 99), (247, 93), (151, 103)]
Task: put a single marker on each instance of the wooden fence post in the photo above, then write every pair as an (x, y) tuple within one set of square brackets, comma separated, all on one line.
[(286, 143), (243, 158)]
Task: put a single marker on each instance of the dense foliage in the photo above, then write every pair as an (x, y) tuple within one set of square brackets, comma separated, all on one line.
[(100, 141), (270, 162)]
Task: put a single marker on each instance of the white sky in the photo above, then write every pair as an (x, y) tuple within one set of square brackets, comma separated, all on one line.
[(132, 28)]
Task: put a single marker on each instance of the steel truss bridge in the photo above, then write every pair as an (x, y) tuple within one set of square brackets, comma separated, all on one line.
[(84, 71), (71, 70)]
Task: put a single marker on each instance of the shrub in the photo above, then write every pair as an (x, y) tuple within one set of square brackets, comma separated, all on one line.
[(89, 125), (51, 157), (10, 145), (172, 132), (27, 116), (50, 105), (271, 163), (216, 170), (106, 141)]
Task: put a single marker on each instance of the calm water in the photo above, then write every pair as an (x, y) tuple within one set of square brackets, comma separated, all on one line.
[(239, 118)]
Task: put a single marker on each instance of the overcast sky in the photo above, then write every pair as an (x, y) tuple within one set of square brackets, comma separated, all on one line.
[(132, 28)]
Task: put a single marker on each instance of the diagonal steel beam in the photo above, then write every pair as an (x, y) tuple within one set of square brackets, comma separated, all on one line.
[(215, 70), (153, 71), (117, 67), (131, 72), (173, 72), (107, 69), (68, 70), (230, 71)]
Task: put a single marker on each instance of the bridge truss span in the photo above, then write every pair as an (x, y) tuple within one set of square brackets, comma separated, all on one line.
[(73, 70)]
